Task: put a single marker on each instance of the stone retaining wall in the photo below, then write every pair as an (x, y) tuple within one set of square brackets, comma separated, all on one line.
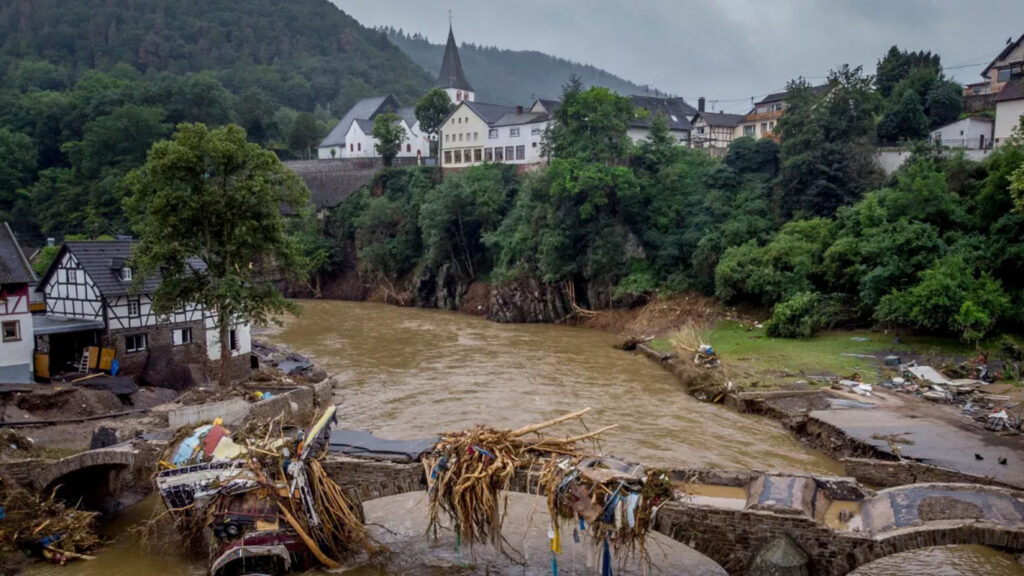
[(888, 474), (23, 471)]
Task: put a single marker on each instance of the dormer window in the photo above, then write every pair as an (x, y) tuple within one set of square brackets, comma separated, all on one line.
[(126, 274)]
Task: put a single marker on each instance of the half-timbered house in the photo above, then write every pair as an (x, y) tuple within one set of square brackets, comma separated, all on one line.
[(15, 316), (94, 299)]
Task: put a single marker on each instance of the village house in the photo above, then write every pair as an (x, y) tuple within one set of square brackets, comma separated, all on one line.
[(972, 132), (16, 326), (762, 119), (714, 131), (93, 300), (675, 111), (476, 133), (353, 137), (1008, 65), (1004, 77)]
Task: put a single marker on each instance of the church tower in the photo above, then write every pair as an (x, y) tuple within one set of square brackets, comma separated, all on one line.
[(452, 78)]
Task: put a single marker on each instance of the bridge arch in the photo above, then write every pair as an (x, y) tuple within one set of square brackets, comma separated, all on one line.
[(93, 478), (972, 533)]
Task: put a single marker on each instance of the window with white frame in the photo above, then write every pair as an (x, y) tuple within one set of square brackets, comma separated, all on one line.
[(134, 308), (126, 274), (493, 134), (135, 343), (749, 130), (181, 336), (514, 132), (12, 331), (520, 152), (537, 131)]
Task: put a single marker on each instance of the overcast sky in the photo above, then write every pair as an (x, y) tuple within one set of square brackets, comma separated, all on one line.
[(727, 50)]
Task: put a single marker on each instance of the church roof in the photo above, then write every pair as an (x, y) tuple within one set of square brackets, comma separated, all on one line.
[(408, 114), (363, 110), (365, 125), (452, 75)]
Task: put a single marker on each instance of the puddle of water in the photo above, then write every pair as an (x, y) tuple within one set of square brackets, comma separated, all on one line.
[(843, 515), (731, 497)]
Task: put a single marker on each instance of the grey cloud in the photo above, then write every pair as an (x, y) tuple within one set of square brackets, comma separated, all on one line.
[(724, 49)]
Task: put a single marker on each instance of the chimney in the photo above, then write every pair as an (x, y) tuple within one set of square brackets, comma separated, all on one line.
[(700, 104), (519, 109)]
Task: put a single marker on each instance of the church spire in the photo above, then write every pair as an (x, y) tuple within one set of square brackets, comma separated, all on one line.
[(452, 77)]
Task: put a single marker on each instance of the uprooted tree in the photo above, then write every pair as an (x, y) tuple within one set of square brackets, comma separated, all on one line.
[(207, 209)]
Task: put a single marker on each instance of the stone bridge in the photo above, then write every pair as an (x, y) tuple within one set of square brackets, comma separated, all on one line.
[(109, 459), (96, 478), (734, 518)]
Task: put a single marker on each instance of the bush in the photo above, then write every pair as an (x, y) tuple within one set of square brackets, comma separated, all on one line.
[(951, 297), (806, 313)]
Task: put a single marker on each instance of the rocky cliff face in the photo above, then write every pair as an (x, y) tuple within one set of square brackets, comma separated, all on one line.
[(528, 301), (442, 288)]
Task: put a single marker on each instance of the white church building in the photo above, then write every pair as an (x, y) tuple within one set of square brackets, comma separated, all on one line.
[(353, 137)]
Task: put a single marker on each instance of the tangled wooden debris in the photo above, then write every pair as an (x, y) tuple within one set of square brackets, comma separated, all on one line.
[(614, 502), (260, 500), (45, 527)]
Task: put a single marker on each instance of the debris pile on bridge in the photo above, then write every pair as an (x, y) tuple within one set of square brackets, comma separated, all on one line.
[(260, 499), (614, 502), (44, 527)]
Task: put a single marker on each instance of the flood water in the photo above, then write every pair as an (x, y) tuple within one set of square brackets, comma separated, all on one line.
[(413, 373)]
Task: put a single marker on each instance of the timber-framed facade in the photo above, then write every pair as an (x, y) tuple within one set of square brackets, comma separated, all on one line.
[(94, 282)]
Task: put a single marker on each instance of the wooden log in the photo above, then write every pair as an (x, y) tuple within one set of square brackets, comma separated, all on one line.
[(554, 422), (323, 558)]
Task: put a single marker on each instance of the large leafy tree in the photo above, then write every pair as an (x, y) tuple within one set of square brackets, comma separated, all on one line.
[(431, 111), (897, 64), (212, 196), (390, 134), (904, 120), (826, 150)]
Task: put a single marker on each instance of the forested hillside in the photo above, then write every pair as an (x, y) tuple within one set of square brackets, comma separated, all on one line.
[(87, 86), (512, 77)]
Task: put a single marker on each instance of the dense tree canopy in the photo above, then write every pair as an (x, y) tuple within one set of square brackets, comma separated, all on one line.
[(826, 151), (918, 97), (87, 87)]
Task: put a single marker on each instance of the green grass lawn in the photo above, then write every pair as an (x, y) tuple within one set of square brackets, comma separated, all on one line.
[(752, 356)]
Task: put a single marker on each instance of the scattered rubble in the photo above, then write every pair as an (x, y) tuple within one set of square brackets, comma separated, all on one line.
[(992, 410), (44, 527), (288, 362)]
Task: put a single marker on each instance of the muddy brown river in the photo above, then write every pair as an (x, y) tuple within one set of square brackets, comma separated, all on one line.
[(412, 373)]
